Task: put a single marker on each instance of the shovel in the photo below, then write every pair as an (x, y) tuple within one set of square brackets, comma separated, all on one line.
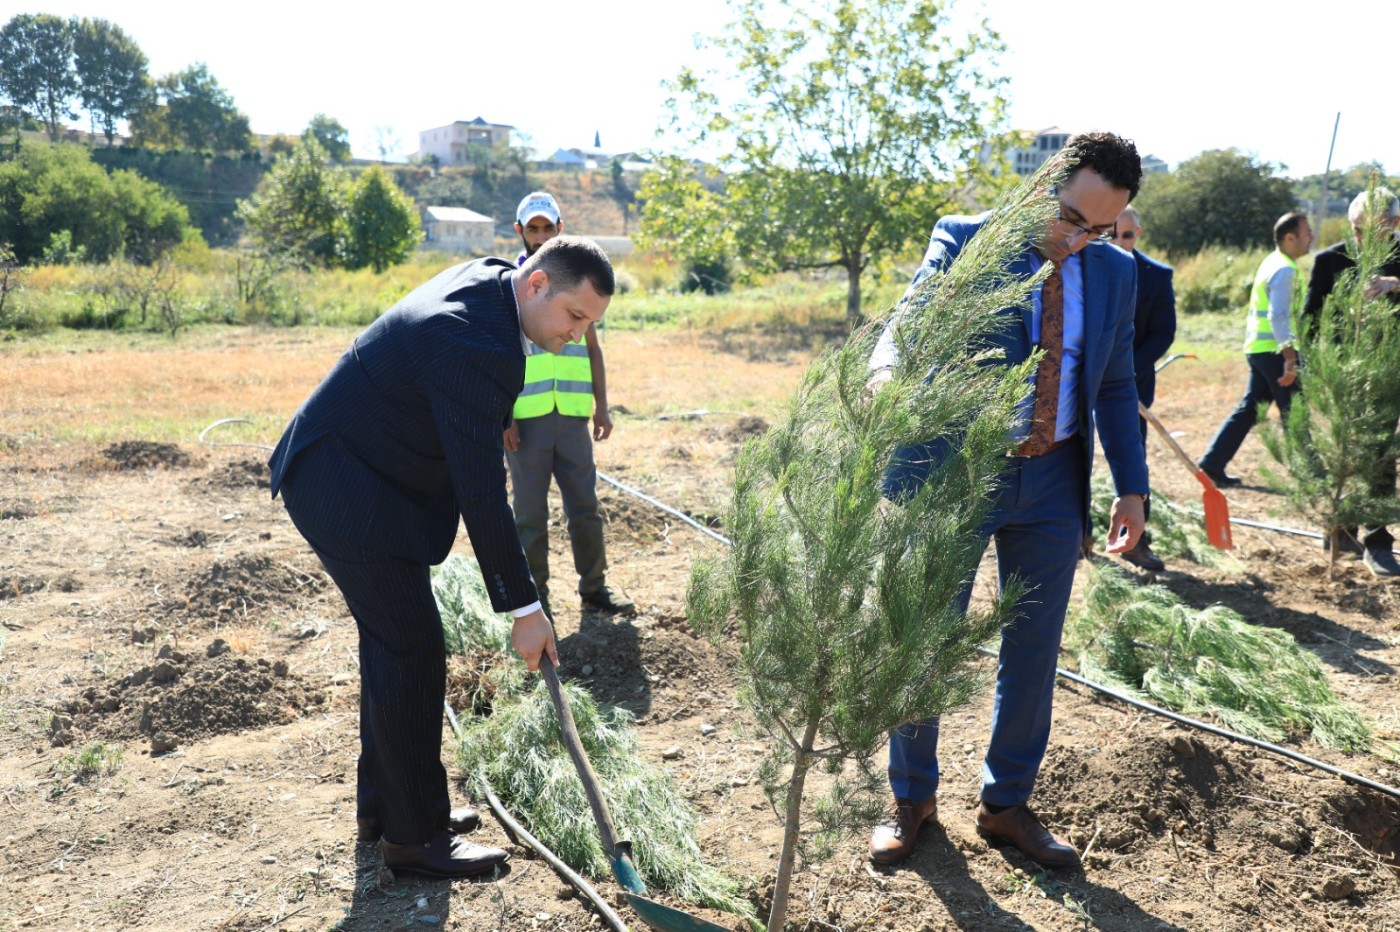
[(1213, 500), (619, 853)]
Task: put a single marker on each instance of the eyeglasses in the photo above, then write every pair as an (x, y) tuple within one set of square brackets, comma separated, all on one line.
[(1128, 235), (1104, 236)]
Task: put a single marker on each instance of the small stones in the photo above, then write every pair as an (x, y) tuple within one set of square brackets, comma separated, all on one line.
[(1338, 887), (671, 753), (162, 742), (586, 669), (706, 729)]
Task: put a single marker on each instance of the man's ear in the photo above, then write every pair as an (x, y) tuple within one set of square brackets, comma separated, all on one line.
[(537, 284), (519, 230)]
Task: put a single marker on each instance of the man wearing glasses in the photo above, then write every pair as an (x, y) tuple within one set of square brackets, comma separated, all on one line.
[(1082, 319), (1154, 329)]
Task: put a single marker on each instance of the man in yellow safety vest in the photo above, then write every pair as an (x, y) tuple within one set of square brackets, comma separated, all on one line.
[(549, 436)]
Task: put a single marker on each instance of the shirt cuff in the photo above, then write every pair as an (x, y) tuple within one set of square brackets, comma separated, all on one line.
[(527, 610)]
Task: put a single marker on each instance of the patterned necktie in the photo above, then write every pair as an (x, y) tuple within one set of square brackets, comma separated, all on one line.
[(1047, 375)]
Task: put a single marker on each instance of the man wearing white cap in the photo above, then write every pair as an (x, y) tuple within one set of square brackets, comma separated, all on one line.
[(549, 436)]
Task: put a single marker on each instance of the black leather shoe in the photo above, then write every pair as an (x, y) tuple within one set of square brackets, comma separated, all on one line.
[(461, 820), (893, 839), (1343, 540), (444, 855), (1142, 557), (1221, 478), (1381, 563), (610, 600), (1019, 826)]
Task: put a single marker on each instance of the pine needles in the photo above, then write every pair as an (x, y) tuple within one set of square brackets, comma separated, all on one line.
[(1207, 663), (1175, 532)]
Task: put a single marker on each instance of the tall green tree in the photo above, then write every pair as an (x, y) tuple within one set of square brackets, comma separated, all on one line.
[(36, 67), (845, 131), (847, 604), (298, 211), (1222, 197), (201, 114), (111, 72), (332, 136), (383, 227)]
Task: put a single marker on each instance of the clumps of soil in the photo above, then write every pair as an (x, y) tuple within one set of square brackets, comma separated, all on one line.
[(16, 510), (746, 427), (243, 584), (633, 518), (12, 587), (144, 454), (622, 662), (181, 698), (235, 476)]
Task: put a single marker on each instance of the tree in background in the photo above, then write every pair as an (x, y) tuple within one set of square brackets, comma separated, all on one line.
[(191, 109), (297, 212), (382, 228), (333, 137), (56, 196), (851, 127), (111, 71), (36, 67), (1218, 198)]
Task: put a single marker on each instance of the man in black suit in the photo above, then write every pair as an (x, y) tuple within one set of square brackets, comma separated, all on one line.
[(1154, 329), (402, 437), (1376, 543)]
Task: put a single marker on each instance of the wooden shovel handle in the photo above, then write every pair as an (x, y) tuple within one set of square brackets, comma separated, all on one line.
[(1171, 441), (586, 775)]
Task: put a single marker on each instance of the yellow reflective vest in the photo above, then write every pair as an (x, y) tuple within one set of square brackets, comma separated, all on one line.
[(1258, 332), (562, 380)]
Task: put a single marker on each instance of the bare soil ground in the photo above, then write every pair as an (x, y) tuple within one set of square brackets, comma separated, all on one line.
[(156, 601)]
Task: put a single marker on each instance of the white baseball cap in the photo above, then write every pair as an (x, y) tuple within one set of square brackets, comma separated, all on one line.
[(537, 204)]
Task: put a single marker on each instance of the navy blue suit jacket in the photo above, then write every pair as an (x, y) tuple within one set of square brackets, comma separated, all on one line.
[(404, 433), (1154, 325), (1107, 390)]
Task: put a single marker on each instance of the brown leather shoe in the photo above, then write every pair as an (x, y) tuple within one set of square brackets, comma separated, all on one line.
[(1142, 557), (461, 820), (444, 855), (893, 839), (1019, 826)]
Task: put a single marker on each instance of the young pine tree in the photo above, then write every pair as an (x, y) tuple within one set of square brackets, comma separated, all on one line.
[(1339, 443), (847, 602)]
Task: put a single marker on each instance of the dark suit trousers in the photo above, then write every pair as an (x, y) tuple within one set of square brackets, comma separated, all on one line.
[(403, 672), (1037, 520), (1265, 369)]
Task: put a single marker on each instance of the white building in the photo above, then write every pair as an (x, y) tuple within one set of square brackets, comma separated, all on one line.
[(457, 229), (448, 144), (1024, 160)]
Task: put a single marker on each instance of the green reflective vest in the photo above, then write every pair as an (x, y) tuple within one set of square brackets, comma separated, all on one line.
[(562, 380), (1258, 333)]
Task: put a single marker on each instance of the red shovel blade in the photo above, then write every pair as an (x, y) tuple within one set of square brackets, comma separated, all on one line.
[(1217, 514)]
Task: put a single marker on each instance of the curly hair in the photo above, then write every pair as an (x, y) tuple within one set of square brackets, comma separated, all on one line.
[(1110, 155)]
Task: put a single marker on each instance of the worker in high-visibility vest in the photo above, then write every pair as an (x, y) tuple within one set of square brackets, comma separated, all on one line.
[(1268, 344), (549, 436)]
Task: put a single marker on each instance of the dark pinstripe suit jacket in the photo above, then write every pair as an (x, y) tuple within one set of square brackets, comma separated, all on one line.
[(405, 432)]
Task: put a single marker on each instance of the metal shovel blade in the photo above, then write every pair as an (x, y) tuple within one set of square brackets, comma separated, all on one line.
[(657, 915), (1217, 513)]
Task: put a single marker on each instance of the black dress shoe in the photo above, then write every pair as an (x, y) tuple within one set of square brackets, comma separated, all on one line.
[(461, 820), (443, 855), (607, 599), (1381, 563), (1343, 540), (1142, 557), (1221, 478), (1019, 826)]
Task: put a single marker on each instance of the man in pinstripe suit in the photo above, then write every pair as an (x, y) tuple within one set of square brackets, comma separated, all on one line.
[(402, 437)]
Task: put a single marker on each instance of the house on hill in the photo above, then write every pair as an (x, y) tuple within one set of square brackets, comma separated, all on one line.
[(448, 144), (457, 229)]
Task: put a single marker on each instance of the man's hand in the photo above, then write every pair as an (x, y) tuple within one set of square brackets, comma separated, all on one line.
[(1381, 284), (533, 635), (1125, 523), (602, 424), (1290, 367), (511, 437)]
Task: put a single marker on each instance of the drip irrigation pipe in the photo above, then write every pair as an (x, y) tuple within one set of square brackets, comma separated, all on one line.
[(518, 833), (666, 508)]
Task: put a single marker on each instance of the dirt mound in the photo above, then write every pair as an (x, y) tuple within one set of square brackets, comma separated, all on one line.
[(632, 517), (12, 587), (622, 661), (144, 454), (243, 584), (16, 510), (746, 427), (181, 698), (234, 477)]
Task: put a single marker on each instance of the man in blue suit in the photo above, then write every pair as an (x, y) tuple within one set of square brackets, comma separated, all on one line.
[(1154, 329), (1082, 318), (400, 439)]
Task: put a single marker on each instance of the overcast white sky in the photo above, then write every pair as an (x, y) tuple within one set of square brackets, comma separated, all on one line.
[(1178, 78)]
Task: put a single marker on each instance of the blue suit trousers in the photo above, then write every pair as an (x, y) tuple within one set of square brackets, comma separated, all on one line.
[(1038, 522)]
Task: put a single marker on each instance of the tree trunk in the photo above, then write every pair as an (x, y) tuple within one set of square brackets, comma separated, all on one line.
[(853, 292), (792, 828)]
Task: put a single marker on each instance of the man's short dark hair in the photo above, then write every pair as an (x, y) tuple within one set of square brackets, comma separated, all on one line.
[(1288, 223), (568, 260), (1112, 156)]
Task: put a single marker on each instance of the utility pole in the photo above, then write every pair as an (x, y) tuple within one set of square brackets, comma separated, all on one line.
[(1322, 201)]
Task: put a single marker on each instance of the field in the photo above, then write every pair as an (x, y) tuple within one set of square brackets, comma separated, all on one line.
[(178, 688)]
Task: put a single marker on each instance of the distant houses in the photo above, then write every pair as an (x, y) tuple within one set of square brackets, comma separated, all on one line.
[(448, 144), (1041, 144)]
